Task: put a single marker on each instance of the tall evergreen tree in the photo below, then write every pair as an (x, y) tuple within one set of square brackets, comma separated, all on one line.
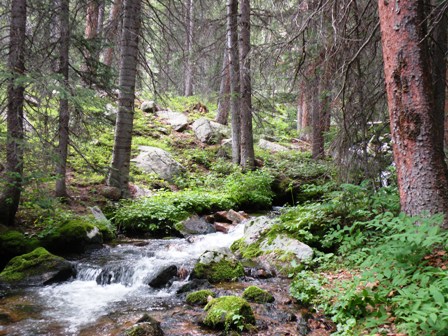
[(119, 172), (10, 198)]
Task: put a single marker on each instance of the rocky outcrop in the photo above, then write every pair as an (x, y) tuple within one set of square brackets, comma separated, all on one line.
[(177, 120), (218, 266), (36, 268), (157, 161), (208, 131), (271, 146)]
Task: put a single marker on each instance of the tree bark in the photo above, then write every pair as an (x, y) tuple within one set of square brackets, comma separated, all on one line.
[(64, 112), (10, 198), (232, 46), (119, 173), (438, 71), (222, 116), (421, 168), (247, 142), (317, 117), (91, 33), (111, 33), (189, 25)]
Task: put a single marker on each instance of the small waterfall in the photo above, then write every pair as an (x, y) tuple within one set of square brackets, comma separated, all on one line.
[(116, 279)]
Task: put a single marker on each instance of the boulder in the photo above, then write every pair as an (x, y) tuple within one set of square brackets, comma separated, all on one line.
[(145, 326), (157, 161), (229, 312), (177, 120), (98, 214), (36, 268), (255, 228), (195, 225), (149, 106), (14, 243), (288, 245), (163, 277), (208, 131), (76, 236), (271, 146), (218, 266)]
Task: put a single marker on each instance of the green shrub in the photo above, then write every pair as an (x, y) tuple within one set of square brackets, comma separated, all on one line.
[(393, 254), (158, 214), (250, 190)]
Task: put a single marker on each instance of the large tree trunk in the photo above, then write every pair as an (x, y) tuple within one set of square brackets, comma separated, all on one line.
[(247, 141), (419, 158), (224, 92), (64, 113), (111, 33), (189, 26), (10, 198), (438, 72), (119, 173), (232, 46)]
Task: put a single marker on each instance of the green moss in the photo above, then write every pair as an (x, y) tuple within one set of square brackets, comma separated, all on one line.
[(247, 251), (29, 264), (229, 312), (14, 243), (258, 295), (199, 297), (223, 270), (73, 236)]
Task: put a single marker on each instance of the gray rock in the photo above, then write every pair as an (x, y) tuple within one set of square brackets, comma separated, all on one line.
[(208, 131), (163, 277), (146, 326), (177, 120), (112, 193), (271, 146), (149, 106), (255, 228), (98, 214), (195, 225), (289, 245), (158, 161)]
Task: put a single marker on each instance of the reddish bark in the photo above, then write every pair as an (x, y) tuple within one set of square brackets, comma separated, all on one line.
[(112, 32), (421, 169)]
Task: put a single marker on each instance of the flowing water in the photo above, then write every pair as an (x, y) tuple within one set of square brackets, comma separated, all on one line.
[(111, 283)]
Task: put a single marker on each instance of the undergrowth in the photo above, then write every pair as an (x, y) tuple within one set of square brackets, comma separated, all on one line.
[(402, 281)]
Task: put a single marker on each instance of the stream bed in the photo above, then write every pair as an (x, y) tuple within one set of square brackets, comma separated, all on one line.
[(111, 292)]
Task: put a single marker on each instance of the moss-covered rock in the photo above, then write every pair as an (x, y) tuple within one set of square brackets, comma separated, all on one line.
[(258, 295), (75, 236), (38, 267), (217, 266), (229, 312), (146, 326), (14, 243), (199, 297)]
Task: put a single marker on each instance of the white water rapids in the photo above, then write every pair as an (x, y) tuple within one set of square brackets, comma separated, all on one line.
[(79, 303)]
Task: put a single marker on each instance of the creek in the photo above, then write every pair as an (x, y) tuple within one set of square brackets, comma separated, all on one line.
[(111, 287)]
